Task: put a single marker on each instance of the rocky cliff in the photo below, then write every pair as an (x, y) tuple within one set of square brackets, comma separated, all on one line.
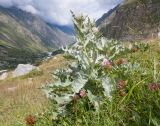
[(133, 20)]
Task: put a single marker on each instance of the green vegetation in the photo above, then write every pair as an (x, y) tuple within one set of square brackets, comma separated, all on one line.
[(108, 84), (15, 56), (32, 74)]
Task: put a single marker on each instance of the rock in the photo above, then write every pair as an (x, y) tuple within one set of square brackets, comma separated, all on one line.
[(2, 71), (12, 89), (159, 35), (49, 54), (55, 58), (3, 76), (23, 69)]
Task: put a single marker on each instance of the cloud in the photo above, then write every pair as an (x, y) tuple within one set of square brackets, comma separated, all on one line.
[(29, 8), (58, 11)]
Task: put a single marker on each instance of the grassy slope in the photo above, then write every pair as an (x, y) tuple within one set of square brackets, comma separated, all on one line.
[(27, 98), (18, 40)]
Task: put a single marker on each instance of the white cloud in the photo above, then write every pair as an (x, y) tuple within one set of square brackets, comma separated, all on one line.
[(29, 8), (58, 11)]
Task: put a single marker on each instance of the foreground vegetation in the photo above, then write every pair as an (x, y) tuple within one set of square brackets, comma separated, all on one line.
[(22, 96), (108, 83)]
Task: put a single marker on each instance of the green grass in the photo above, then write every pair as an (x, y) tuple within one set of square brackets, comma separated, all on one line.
[(33, 74)]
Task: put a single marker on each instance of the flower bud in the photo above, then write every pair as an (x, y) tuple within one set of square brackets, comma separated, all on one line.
[(121, 84), (122, 93), (30, 120), (121, 61), (106, 62), (154, 86), (95, 30), (82, 93)]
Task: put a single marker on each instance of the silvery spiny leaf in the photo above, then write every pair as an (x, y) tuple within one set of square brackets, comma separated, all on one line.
[(94, 100), (78, 84), (107, 87)]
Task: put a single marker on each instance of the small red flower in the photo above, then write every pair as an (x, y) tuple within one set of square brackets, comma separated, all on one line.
[(30, 120), (122, 93), (121, 61), (121, 84), (134, 49), (121, 87), (154, 86)]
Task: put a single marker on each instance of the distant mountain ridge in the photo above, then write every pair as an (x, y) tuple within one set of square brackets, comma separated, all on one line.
[(132, 20), (69, 30), (24, 35), (106, 15)]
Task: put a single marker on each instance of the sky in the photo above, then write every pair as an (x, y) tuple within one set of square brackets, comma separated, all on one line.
[(58, 11)]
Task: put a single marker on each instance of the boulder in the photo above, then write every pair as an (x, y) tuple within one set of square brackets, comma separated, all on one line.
[(23, 69), (3, 76), (159, 35), (11, 89), (2, 71)]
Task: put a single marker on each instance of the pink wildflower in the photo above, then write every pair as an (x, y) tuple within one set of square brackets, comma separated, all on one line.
[(82, 92), (154, 86), (121, 84), (106, 62)]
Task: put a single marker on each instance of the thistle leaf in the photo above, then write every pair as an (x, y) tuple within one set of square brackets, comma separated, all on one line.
[(107, 87)]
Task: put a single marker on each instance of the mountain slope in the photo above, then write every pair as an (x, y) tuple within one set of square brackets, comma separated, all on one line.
[(106, 15), (133, 20), (24, 35), (69, 30)]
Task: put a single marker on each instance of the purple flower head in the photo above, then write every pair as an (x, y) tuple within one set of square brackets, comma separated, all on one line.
[(106, 62), (121, 84), (154, 86), (82, 92)]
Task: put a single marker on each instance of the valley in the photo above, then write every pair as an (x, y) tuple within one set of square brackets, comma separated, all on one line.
[(92, 72), (26, 38)]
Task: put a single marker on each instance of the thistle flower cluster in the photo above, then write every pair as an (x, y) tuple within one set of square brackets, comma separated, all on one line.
[(154, 86), (121, 87), (30, 120), (121, 61), (107, 64)]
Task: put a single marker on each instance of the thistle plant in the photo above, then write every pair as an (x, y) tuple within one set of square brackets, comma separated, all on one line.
[(99, 74), (88, 74)]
